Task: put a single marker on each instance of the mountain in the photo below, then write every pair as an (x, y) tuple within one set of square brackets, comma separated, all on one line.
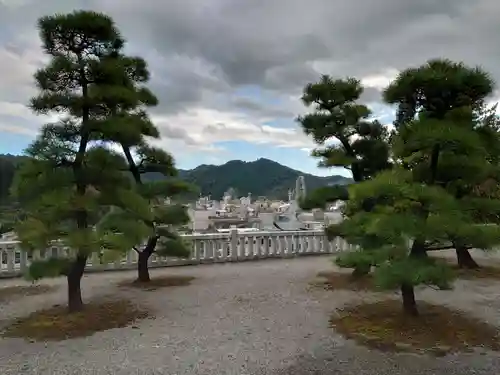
[(8, 164), (262, 177)]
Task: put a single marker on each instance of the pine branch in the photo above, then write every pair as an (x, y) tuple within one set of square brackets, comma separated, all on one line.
[(439, 248)]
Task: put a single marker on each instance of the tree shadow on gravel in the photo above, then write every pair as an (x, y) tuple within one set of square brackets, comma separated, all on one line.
[(483, 272), (56, 324), (335, 280), (157, 282), (437, 331), (490, 271)]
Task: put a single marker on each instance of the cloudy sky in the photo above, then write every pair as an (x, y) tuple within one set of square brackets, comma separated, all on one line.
[(229, 73)]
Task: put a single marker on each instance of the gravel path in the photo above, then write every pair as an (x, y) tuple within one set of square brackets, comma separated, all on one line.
[(243, 319)]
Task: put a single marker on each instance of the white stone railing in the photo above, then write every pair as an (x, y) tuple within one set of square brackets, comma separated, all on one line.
[(206, 248)]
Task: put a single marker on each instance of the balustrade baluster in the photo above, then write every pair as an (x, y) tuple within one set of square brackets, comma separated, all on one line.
[(234, 246)]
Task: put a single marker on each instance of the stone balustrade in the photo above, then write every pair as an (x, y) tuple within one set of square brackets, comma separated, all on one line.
[(233, 246)]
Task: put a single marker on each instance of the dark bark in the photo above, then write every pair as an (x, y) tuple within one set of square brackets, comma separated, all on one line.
[(144, 255), (357, 174), (132, 165), (418, 251), (75, 302), (409, 303), (464, 258), (434, 163), (360, 271), (142, 263)]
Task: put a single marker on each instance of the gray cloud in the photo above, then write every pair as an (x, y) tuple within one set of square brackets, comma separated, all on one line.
[(177, 133), (249, 41), (214, 128), (260, 109), (178, 87), (202, 53), (371, 94)]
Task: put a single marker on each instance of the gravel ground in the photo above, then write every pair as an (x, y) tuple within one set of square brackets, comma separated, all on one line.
[(243, 319)]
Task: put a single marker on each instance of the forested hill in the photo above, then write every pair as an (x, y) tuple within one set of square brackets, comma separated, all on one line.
[(262, 177), (8, 164)]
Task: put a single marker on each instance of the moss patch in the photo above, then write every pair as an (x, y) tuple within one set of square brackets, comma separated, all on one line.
[(483, 272), (491, 272), (56, 324), (13, 292), (437, 331), (158, 282), (332, 280)]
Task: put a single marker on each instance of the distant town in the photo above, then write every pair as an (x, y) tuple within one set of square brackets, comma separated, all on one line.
[(247, 214)]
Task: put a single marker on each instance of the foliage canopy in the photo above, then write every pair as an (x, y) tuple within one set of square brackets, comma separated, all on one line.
[(445, 148)]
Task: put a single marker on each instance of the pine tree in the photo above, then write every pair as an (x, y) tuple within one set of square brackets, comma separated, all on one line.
[(71, 184), (129, 113), (168, 218), (362, 144), (437, 88), (429, 197)]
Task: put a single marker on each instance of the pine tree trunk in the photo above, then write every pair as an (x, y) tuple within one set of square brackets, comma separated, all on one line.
[(142, 268), (409, 303), (142, 262), (418, 250), (75, 273), (75, 302), (464, 259), (359, 272)]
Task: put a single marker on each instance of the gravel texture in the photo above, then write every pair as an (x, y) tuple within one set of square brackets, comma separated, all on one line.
[(243, 319)]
